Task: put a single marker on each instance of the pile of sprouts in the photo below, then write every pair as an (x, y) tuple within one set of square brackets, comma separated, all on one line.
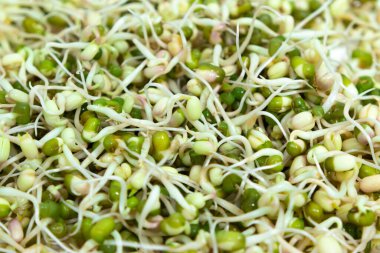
[(190, 126)]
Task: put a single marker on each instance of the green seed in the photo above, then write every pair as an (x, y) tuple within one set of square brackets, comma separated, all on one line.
[(364, 57), (227, 98), (266, 19), (22, 110), (66, 212), (102, 229), (32, 26), (49, 209), (116, 105), (130, 237), (366, 171), (3, 95), (107, 248), (193, 61), (136, 113), (265, 91), (195, 158), (270, 121), (92, 125), (56, 21), (335, 114), (376, 92), (236, 106), (238, 93), (91, 128), (300, 14), (313, 97), (302, 67), (358, 218), (346, 81), (266, 144), (71, 63), (17, 85), (100, 102), (5, 208), (114, 191), (230, 240), (227, 86), (293, 149), (194, 229), (52, 147), (280, 104), (261, 161), (353, 230), (223, 128), (207, 114), (244, 62), (308, 70), (133, 202), (299, 105), (229, 150), (135, 144), (293, 53), (173, 225), (314, 211), (115, 70), (314, 5), (110, 143), (140, 31), (364, 83), (275, 105), (373, 243), (275, 44), (47, 67), (276, 159), (86, 115), (46, 195), (58, 228), (230, 183), (118, 100), (126, 136), (249, 200), (86, 227), (329, 164), (244, 7), (187, 31), (297, 223), (318, 111), (161, 141), (98, 54), (158, 29), (257, 37)]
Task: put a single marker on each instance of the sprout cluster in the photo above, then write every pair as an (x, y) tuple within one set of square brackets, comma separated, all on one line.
[(190, 126)]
